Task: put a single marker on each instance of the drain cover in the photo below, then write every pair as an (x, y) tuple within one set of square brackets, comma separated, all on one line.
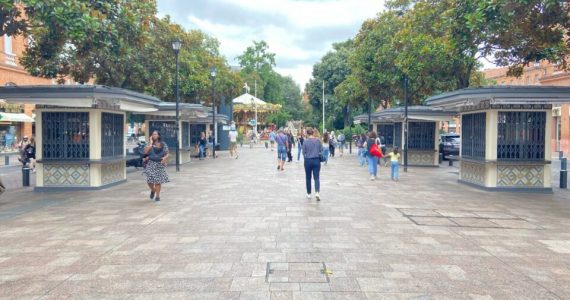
[(297, 272)]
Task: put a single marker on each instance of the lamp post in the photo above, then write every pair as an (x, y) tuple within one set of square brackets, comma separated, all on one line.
[(254, 104), (324, 106), (213, 72), (406, 123), (176, 44), (369, 112)]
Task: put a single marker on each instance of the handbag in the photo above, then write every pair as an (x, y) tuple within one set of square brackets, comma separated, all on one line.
[(322, 157), (375, 151)]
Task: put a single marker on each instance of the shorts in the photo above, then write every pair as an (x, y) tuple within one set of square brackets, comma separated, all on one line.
[(282, 153)]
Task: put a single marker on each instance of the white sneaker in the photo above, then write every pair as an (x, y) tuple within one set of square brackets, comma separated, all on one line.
[(372, 178), (308, 196), (318, 196)]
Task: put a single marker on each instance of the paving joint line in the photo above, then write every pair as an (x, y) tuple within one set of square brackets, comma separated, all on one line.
[(103, 254), (509, 267)]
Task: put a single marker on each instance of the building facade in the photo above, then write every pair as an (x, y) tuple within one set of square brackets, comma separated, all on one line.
[(12, 73), (545, 74)]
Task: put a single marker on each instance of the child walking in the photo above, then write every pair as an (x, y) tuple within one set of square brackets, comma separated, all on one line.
[(394, 164)]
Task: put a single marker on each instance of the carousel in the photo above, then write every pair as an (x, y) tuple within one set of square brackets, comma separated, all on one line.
[(251, 112)]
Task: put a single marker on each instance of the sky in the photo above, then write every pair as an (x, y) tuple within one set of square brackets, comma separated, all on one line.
[(299, 32)]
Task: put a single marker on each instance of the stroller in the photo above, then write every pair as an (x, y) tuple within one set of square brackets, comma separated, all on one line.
[(138, 161)]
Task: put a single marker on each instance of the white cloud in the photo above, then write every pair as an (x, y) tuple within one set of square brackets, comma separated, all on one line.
[(298, 32)]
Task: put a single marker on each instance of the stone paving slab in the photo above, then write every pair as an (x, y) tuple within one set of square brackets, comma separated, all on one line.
[(222, 222)]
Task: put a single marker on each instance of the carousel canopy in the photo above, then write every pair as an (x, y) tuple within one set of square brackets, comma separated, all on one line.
[(249, 102)]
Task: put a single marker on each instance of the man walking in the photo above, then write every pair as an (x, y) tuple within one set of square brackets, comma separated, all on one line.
[(282, 144)]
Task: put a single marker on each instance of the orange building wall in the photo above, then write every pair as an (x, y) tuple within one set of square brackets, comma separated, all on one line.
[(10, 74)]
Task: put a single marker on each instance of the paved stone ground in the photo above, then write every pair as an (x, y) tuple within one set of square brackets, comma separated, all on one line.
[(239, 229)]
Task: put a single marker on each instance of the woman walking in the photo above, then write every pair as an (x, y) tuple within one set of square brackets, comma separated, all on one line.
[(326, 147), (372, 160), (312, 151), (155, 170)]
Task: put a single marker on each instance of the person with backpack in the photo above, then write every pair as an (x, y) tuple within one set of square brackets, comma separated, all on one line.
[(374, 153), (282, 144)]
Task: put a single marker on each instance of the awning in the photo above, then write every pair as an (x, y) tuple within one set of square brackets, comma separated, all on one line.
[(11, 117)]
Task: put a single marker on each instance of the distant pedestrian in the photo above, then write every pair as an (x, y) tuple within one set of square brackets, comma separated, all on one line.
[(21, 146), (326, 147), (360, 143), (155, 170), (211, 144), (372, 160), (282, 143), (300, 140), (233, 134), (312, 151), (291, 140), (202, 145), (332, 143), (272, 137), (394, 163), (341, 139), (2, 187), (30, 154)]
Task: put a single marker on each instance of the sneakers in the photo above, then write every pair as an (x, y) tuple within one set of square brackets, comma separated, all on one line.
[(157, 199), (308, 196), (372, 177), (151, 195), (318, 196)]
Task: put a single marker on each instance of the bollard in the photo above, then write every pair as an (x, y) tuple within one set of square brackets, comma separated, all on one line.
[(440, 158), (6, 160), (451, 162), (563, 173), (25, 176)]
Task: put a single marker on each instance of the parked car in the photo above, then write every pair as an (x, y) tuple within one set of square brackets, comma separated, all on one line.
[(449, 144)]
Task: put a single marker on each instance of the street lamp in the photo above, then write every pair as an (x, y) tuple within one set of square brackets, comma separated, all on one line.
[(176, 44), (213, 72), (406, 82), (255, 125)]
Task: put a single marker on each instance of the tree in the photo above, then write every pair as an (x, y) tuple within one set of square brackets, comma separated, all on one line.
[(522, 32), (74, 38), (332, 69), (279, 118), (257, 58)]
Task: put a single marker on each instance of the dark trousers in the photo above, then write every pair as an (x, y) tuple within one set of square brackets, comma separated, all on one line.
[(289, 155), (313, 167), (331, 148)]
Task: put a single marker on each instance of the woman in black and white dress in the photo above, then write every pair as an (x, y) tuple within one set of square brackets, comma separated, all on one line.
[(155, 170)]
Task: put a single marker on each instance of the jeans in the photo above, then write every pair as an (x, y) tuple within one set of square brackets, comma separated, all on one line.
[(361, 157), (282, 153), (299, 150), (373, 165), (326, 153), (313, 167), (394, 170), (202, 151)]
